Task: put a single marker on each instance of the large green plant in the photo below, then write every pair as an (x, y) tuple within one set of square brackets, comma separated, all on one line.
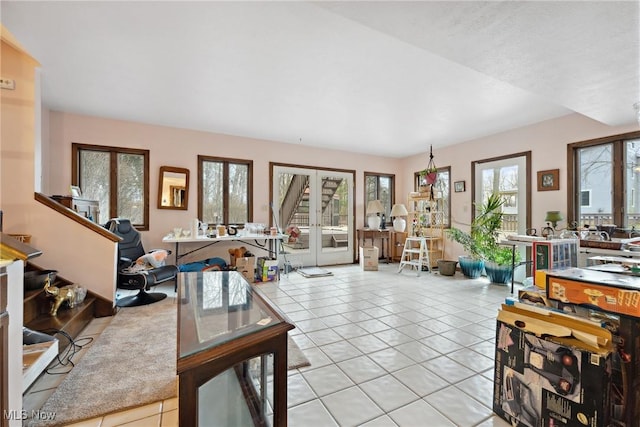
[(482, 241)]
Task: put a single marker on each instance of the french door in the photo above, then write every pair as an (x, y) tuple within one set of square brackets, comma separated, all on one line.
[(507, 176), (315, 207)]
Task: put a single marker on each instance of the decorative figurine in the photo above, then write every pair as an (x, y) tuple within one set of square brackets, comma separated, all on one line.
[(60, 294)]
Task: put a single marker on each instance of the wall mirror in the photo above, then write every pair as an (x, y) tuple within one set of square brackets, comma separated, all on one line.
[(173, 189)]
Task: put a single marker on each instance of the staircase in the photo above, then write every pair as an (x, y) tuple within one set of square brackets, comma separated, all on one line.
[(295, 205), (68, 322)]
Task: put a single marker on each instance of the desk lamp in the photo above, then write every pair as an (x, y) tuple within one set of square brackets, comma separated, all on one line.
[(553, 217), (374, 207)]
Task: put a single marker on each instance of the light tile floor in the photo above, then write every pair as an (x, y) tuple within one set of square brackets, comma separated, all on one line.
[(386, 349)]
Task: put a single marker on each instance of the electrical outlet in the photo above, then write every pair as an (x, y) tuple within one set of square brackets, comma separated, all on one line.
[(7, 84)]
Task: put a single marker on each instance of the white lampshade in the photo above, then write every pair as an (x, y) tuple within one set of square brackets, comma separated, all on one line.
[(399, 210), (374, 207)]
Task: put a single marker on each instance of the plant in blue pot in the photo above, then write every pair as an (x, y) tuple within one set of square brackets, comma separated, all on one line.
[(481, 243)]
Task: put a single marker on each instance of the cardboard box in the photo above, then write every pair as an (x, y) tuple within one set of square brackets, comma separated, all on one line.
[(557, 380), (610, 292), (624, 400), (267, 269), (247, 266), (368, 257)]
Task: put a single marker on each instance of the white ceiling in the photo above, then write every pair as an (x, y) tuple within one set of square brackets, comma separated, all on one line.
[(382, 77)]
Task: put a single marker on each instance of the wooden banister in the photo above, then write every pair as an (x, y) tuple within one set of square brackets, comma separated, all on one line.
[(73, 215)]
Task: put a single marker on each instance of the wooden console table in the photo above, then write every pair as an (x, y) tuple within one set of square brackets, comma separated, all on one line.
[(383, 235), (231, 342)]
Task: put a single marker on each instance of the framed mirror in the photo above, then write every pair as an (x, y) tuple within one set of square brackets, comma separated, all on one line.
[(173, 189)]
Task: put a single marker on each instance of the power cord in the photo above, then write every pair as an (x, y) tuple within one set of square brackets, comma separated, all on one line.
[(65, 359)]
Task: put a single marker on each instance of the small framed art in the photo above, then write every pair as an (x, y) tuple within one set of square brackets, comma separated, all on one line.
[(458, 186), (549, 180), (75, 191)]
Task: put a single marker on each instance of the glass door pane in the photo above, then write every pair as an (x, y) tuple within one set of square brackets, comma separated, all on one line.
[(507, 177), (292, 191), (315, 208), (335, 232), (595, 169)]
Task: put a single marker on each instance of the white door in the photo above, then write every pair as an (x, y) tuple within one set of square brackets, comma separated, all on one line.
[(508, 177), (316, 208)]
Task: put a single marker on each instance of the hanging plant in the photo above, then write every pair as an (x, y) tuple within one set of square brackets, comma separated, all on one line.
[(429, 175)]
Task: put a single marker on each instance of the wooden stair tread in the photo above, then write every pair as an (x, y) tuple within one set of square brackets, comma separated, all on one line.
[(70, 320)]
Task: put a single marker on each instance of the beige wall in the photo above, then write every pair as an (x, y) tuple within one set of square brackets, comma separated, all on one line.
[(77, 253), (180, 147), (547, 142)]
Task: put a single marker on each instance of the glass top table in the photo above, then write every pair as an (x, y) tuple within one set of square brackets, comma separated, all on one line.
[(224, 323), (217, 307)]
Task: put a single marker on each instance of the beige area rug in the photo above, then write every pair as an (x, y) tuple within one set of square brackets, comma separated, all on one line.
[(132, 363)]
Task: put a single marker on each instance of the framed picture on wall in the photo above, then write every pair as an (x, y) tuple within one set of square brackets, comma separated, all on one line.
[(549, 180), (75, 191), (458, 186)]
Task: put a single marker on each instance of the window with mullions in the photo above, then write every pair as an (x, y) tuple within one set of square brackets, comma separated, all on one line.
[(118, 178), (604, 178), (379, 187), (443, 186), (224, 190)]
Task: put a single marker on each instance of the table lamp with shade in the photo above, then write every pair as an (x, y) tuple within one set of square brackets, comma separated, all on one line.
[(374, 207), (398, 212), (554, 217)]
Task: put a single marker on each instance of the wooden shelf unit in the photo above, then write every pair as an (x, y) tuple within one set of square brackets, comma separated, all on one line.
[(428, 214), (87, 208), (397, 244)]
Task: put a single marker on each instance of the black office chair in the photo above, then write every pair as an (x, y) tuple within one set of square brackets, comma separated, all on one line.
[(129, 250)]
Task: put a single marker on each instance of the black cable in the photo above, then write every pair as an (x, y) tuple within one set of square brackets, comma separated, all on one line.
[(64, 359)]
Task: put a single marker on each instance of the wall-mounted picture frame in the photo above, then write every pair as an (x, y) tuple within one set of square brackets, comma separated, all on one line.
[(75, 191), (458, 186), (549, 180)]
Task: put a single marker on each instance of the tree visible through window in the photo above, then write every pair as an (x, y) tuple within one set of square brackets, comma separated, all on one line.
[(224, 189), (605, 179), (379, 187), (117, 178)]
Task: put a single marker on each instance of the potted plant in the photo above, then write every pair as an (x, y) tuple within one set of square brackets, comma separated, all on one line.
[(471, 264), (482, 242), (429, 175)]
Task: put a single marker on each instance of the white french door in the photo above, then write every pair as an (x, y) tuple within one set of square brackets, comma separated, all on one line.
[(317, 205), (508, 177)]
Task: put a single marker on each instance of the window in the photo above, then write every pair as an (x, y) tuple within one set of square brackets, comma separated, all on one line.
[(443, 185), (379, 187), (224, 190), (603, 179), (118, 178)]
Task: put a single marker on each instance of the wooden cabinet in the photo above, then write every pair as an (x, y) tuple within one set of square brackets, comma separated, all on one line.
[(88, 208), (232, 353), (397, 244), (426, 219)]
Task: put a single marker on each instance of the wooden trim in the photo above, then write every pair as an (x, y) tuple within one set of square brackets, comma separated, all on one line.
[(113, 176), (528, 190), (573, 195), (225, 185), (69, 213), (273, 165)]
